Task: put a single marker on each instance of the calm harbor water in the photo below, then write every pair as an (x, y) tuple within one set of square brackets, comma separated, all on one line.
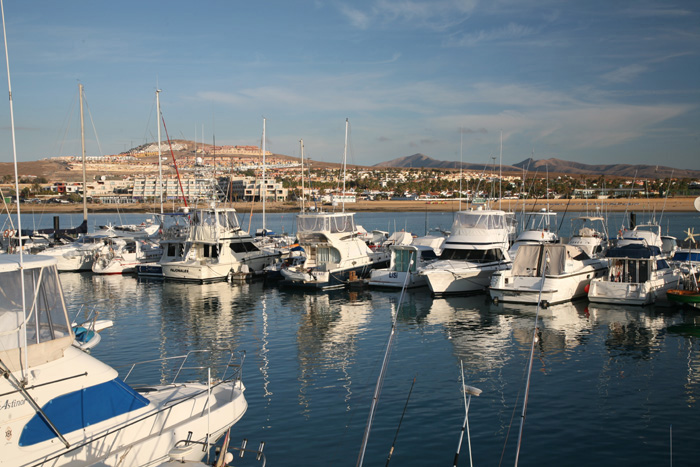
[(609, 384)]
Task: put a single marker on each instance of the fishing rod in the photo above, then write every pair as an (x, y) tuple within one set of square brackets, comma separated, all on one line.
[(385, 363), (396, 435), (532, 354)]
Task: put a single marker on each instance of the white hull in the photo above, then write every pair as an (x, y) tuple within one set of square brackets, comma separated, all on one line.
[(631, 293), (209, 270), (395, 279), (465, 279), (554, 289)]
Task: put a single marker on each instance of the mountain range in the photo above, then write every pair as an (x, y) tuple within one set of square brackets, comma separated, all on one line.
[(553, 166)]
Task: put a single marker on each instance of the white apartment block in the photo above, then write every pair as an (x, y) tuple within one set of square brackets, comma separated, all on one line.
[(272, 190)]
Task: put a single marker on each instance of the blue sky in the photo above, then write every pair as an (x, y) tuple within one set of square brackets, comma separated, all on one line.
[(595, 82)]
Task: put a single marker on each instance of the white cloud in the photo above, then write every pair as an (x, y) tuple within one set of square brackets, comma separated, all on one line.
[(624, 74), (510, 32), (356, 17)]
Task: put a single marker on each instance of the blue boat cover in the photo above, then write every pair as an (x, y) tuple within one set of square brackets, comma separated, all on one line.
[(82, 408), (686, 256), (633, 252)]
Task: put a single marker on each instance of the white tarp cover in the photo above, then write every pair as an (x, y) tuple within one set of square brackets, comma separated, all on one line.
[(527, 261), (530, 259), (333, 223)]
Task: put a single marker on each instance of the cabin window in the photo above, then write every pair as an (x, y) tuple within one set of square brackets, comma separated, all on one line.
[(171, 249), (477, 256), (243, 247), (402, 259), (327, 255), (644, 267), (210, 251)]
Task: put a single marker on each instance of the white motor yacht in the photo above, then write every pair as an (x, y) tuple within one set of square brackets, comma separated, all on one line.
[(590, 234), (538, 227), (476, 248), (548, 274), (217, 249), (121, 255), (334, 252), (639, 274), (421, 252), (173, 233), (62, 406), (78, 255)]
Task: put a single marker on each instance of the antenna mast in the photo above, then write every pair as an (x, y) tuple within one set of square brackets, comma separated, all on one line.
[(345, 156)]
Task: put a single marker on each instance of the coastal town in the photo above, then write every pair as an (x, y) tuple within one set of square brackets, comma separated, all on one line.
[(241, 174)]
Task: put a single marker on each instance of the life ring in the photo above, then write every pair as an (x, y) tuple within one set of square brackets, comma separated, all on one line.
[(6, 233)]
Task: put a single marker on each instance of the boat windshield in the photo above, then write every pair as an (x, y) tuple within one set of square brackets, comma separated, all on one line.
[(46, 317), (226, 219), (336, 223), (479, 220)]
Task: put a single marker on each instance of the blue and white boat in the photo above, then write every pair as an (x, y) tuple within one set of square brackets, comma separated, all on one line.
[(61, 406), (406, 260), (335, 252)]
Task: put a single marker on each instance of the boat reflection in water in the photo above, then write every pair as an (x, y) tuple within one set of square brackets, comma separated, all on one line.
[(327, 341)]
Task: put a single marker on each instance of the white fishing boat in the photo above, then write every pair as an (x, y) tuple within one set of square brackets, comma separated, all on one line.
[(589, 233), (78, 255), (147, 228), (217, 249), (476, 248), (334, 252), (538, 227), (65, 407), (548, 274), (421, 252), (172, 236), (643, 234), (121, 255), (638, 275)]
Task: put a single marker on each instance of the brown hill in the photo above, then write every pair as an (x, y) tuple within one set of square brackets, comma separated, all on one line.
[(553, 166)]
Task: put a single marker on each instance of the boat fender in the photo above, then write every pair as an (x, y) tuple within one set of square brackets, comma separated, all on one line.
[(587, 288)]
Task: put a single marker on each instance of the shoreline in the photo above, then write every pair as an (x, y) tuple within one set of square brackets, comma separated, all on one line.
[(676, 204)]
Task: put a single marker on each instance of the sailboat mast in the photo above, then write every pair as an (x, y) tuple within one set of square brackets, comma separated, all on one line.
[(345, 157), (500, 174), (301, 144), (160, 165), (460, 168), (263, 186), (23, 329), (82, 141)]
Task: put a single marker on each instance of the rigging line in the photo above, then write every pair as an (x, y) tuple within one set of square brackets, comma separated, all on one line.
[(396, 435), (182, 190), (665, 198), (97, 138), (66, 124)]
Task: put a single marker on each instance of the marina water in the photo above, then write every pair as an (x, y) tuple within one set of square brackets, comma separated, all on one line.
[(610, 385)]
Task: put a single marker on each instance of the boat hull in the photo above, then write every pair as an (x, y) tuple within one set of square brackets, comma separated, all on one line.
[(684, 297), (463, 280), (326, 280), (396, 279), (551, 290)]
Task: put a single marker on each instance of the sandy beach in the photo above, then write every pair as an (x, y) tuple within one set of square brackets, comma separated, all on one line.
[(674, 204)]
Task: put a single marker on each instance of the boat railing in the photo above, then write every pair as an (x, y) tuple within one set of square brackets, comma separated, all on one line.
[(223, 456), (183, 365)]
